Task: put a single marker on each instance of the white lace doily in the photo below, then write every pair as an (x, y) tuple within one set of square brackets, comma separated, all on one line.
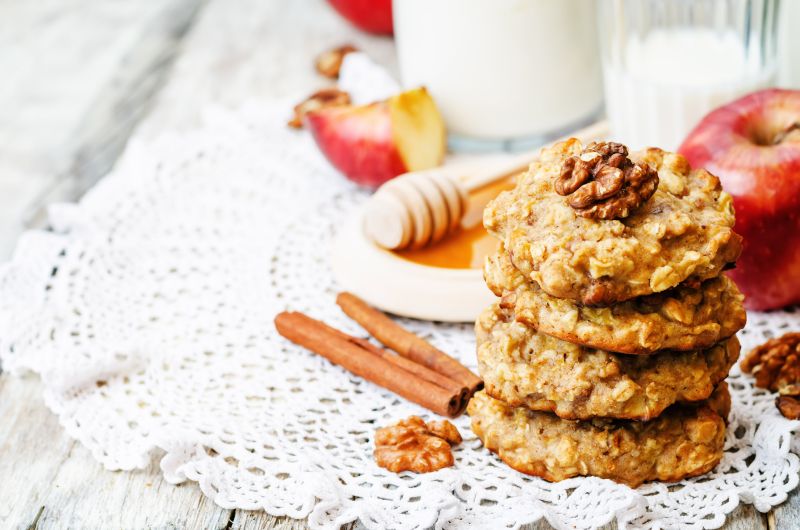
[(147, 311)]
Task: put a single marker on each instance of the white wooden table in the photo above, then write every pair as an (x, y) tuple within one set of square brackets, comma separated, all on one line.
[(80, 77)]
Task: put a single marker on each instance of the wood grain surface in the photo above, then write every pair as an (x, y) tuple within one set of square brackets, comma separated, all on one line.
[(80, 78)]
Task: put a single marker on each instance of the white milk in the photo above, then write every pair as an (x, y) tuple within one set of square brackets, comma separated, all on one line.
[(673, 78), (502, 69), (789, 44)]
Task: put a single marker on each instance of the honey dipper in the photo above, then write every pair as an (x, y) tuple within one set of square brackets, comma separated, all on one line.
[(421, 207)]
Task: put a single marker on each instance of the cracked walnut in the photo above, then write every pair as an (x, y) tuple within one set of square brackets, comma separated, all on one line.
[(603, 183), (413, 445), (776, 366)]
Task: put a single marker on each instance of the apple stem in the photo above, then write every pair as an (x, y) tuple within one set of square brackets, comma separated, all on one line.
[(791, 133)]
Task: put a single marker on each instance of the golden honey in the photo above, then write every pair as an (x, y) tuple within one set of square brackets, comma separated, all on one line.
[(467, 247)]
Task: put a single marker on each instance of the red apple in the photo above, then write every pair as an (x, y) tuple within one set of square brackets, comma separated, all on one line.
[(753, 146), (374, 16), (373, 143)]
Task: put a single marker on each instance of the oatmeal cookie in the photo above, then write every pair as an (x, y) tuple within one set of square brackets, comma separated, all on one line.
[(683, 232), (682, 318), (687, 440), (525, 368)]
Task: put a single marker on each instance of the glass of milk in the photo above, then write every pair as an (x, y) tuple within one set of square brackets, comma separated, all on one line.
[(506, 74), (667, 63), (789, 45)]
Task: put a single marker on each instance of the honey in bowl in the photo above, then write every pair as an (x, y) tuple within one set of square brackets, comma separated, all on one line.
[(467, 247)]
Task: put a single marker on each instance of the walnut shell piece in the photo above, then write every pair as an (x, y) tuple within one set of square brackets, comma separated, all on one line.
[(413, 445), (329, 62), (776, 366), (603, 183), (327, 97)]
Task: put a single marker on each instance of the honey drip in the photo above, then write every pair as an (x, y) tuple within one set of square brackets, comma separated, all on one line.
[(467, 247)]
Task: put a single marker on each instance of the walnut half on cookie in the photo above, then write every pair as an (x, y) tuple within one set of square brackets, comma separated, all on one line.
[(682, 233), (413, 445), (603, 183)]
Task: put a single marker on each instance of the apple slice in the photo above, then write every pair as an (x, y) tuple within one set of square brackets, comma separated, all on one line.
[(753, 146), (373, 143)]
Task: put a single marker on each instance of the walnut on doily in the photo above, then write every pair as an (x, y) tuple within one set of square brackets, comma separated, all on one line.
[(603, 183), (413, 445), (776, 366)]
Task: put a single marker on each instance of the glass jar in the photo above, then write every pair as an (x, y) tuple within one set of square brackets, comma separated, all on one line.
[(667, 63), (789, 45), (505, 73)]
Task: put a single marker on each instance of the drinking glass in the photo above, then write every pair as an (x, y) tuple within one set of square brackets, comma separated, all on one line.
[(505, 73), (667, 63)]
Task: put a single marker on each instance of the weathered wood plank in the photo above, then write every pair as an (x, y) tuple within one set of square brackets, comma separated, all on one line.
[(55, 481), (77, 77), (136, 499), (787, 515), (33, 448), (251, 50), (745, 517), (248, 520), (18, 190)]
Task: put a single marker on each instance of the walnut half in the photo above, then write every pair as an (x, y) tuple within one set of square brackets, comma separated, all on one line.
[(413, 445), (603, 183), (776, 366)]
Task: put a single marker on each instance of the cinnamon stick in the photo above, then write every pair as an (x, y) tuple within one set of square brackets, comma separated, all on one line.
[(406, 343), (406, 364), (365, 362)]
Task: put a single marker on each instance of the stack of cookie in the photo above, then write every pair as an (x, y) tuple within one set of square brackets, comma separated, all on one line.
[(607, 350)]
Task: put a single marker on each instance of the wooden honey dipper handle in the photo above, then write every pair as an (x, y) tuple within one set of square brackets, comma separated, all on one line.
[(421, 207), (519, 164)]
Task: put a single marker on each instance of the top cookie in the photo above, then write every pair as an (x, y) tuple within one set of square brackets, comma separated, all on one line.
[(683, 232)]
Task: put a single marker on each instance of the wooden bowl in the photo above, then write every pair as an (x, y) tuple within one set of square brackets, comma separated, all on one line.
[(403, 287)]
